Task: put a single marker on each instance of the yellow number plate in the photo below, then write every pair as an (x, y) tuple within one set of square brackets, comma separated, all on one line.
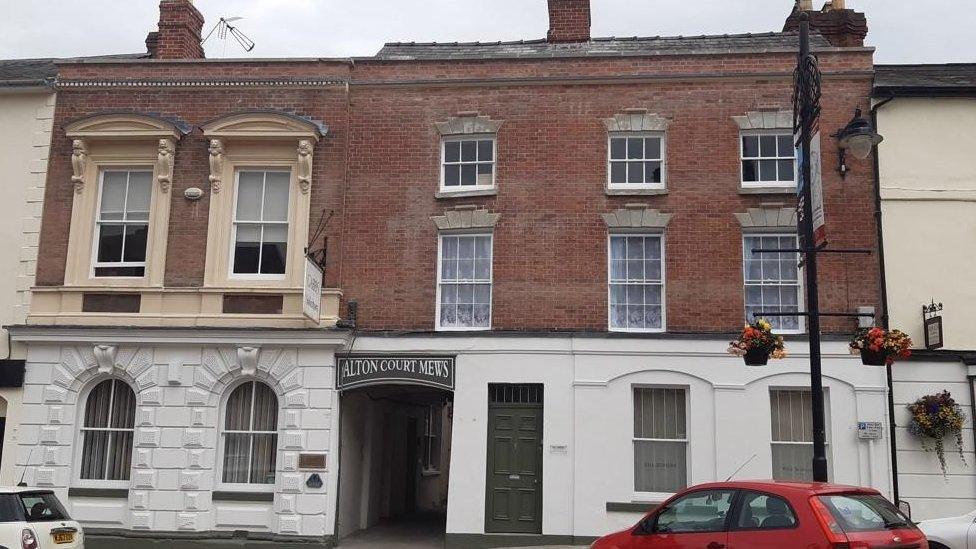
[(64, 537)]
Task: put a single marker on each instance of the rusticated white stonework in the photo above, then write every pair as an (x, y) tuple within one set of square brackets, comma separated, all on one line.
[(180, 390)]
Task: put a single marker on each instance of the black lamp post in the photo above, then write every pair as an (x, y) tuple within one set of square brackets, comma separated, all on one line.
[(859, 137)]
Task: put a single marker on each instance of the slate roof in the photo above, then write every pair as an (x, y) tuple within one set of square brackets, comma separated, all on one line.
[(40, 72), (27, 72), (925, 80), (599, 47)]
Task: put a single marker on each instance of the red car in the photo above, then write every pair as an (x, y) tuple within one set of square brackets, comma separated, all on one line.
[(771, 515)]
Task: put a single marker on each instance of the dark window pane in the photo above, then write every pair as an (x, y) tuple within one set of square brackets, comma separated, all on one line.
[(786, 145), (123, 406), (618, 148), (273, 257), (484, 169), (120, 460), (97, 407), (767, 170), (246, 257), (452, 151), (767, 145), (750, 146), (618, 172), (635, 172), (635, 148), (652, 172), (452, 175), (485, 151), (469, 151), (786, 170), (94, 453), (652, 147), (110, 244), (135, 242), (469, 174), (750, 170)]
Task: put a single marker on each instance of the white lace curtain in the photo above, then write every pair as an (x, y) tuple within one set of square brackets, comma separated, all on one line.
[(250, 435)]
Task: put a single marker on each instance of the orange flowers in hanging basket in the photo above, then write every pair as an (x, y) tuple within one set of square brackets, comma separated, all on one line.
[(880, 347), (758, 344)]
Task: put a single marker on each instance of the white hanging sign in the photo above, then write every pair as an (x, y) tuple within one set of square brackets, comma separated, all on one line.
[(312, 296)]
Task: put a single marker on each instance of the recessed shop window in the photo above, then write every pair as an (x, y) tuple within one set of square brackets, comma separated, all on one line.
[(261, 222), (660, 439), (636, 160), (768, 158), (122, 223), (107, 431), (468, 163), (250, 436)]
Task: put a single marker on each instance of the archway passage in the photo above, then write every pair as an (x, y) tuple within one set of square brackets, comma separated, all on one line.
[(394, 465)]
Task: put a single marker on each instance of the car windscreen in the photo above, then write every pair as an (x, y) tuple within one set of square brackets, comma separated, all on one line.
[(864, 512), (42, 507)]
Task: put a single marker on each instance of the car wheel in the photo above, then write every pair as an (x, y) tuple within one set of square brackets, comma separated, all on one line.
[(937, 545)]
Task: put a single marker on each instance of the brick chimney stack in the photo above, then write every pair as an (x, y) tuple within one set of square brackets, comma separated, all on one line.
[(841, 27), (179, 35), (569, 21)]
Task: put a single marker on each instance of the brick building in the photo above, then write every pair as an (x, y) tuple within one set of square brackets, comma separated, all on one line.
[(547, 243)]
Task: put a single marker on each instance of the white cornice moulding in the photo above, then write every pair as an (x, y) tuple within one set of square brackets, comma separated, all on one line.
[(135, 335)]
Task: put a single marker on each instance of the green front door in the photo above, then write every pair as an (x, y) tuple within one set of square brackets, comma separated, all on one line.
[(514, 487)]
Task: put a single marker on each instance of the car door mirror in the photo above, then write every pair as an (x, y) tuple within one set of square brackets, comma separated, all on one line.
[(905, 508)]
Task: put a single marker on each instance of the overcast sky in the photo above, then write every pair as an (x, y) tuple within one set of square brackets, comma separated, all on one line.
[(904, 31)]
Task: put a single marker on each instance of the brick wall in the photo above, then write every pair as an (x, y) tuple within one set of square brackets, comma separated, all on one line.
[(378, 171)]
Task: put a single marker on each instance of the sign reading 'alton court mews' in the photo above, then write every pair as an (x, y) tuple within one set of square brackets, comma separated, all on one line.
[(359, 371)]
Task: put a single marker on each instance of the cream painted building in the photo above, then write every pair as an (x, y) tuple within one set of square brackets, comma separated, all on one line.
[(26, 112), (927, 171)]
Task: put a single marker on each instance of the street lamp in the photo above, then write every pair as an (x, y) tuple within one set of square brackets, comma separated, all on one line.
[(859, 137)]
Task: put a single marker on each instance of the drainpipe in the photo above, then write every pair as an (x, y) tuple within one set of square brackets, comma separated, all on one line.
[(884, 299), (972, 401)]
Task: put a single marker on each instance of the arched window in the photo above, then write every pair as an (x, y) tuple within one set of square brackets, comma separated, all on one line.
[(107, 430), (250, 435)]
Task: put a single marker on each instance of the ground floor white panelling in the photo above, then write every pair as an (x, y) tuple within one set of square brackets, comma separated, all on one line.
[(554, 435), (921, 482)]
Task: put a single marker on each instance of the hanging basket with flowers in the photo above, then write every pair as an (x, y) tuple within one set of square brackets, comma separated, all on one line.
[(758, 343), (935, 417), (880, 347)]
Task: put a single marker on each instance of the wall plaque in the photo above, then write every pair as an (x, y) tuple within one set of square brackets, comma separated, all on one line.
[(311, 462), (933, 333), (361, 371)]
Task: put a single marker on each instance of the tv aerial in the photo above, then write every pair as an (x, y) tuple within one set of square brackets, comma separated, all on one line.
[(225, 29)]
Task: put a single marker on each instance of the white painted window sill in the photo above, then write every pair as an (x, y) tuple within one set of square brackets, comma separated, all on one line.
[(467, 193)]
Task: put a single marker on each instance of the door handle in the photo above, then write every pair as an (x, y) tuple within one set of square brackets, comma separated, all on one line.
[(715, 545)]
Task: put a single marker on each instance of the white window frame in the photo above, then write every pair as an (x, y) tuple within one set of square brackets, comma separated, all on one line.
[(494, 163), (800, 305), (664, 164), (80, 445), (97, 224), (430, 412), (221, 442), (231, 275), (664, 299), (659, 496), (773, 442), (742, 158), (440, 282)]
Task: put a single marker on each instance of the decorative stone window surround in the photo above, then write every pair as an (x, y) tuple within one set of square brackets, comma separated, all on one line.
[(637, 219), (768, 219), (258, 140), (468, 124), (118, 140), (468, 220), (760, 122), (638, 122)]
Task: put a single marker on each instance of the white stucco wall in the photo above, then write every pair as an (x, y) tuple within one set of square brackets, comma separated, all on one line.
[(179, 391), (588, 408), (25, 138), (928, 191)]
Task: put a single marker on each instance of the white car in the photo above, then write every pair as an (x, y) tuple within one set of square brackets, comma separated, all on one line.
[(34, 519), (951, 533)]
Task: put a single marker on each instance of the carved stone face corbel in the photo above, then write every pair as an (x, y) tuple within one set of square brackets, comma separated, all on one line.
[(248, 358), (79, 161), (216, 164), (305, 149), (105, 358), (164, 164)]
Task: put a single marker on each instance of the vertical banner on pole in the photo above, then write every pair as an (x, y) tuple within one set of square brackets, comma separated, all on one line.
[(816, 192)]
